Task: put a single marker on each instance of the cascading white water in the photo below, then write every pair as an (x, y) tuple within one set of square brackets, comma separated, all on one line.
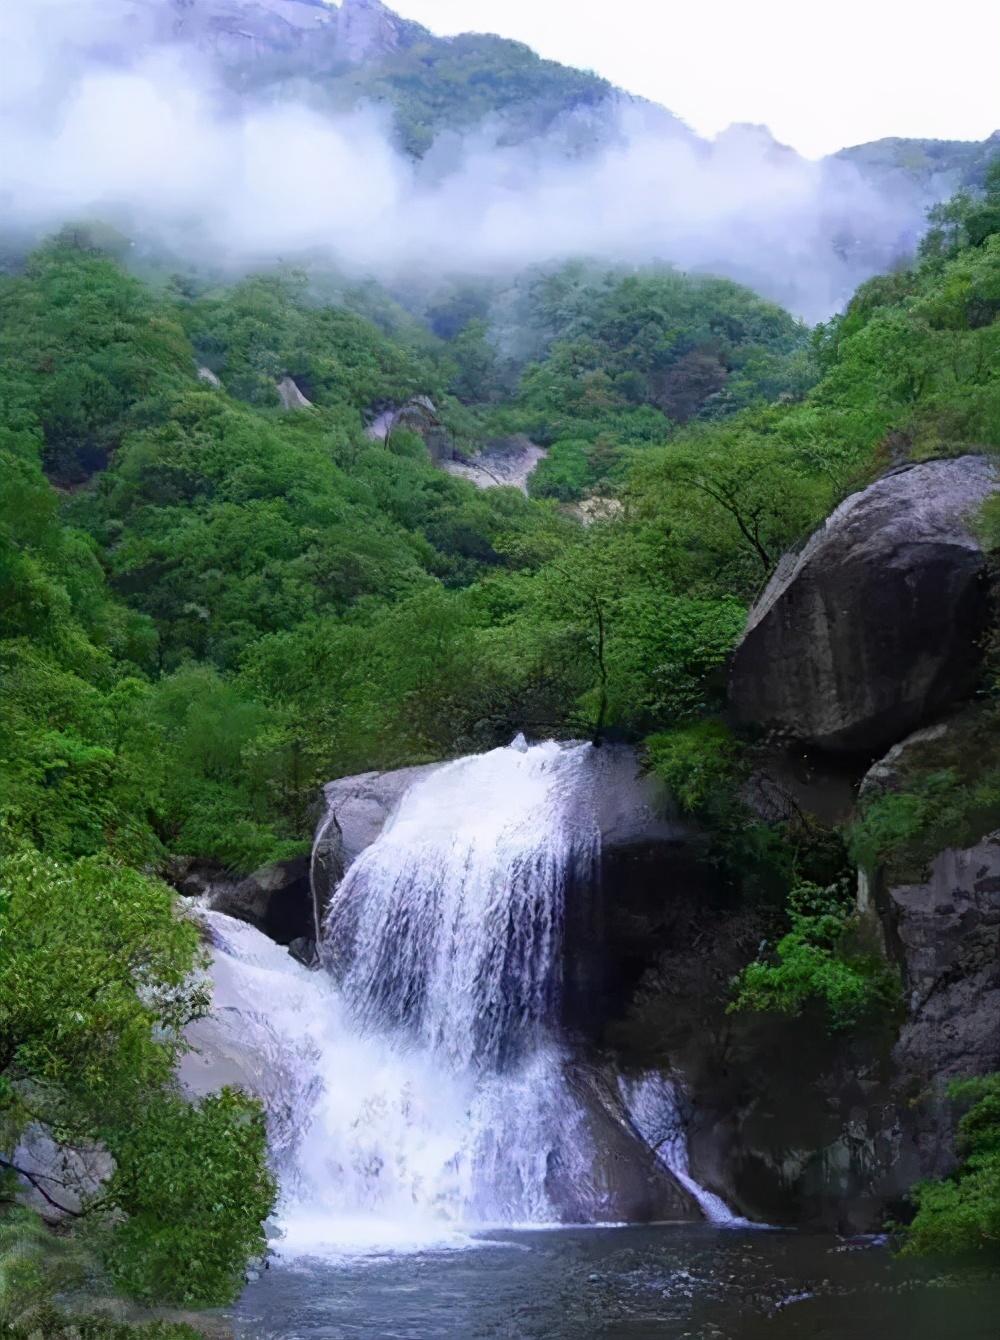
[(419, 1086), (449, 926), (435, 1096), (652, 1104)]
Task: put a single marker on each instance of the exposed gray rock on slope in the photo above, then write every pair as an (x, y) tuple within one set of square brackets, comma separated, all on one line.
[(874, 626), (290, 395), (509, 463), (312, 33)]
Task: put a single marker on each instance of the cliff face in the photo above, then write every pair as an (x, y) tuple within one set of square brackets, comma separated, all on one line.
[(875, 628)]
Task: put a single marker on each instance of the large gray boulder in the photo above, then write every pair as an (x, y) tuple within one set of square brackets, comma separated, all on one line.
[(874, 626)]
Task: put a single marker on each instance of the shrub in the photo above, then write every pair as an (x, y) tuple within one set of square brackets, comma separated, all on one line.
[(961, 1214), (698, 762), (820, 963)]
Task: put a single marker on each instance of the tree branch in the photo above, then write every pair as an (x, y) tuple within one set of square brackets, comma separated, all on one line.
[(34, 1181)]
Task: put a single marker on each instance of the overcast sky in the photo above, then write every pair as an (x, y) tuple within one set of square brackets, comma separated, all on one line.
[(822, 74)]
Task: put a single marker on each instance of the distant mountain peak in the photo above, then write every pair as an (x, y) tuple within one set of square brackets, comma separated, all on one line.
[(368, 28), (316, 32)]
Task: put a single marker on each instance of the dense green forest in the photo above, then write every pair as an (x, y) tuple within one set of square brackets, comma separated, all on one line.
[(209, 605)]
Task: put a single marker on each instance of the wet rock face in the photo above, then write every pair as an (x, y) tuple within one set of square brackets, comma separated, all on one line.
[(874, 627), (626, 1182), (793, 1125)]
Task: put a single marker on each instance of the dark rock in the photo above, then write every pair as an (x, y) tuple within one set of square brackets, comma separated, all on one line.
[(790, 784), (947, 933), (303, 950), (276, 899), (875, 626), (792, 1125)]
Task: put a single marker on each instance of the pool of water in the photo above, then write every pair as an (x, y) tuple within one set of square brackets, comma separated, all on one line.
[(648, 1283)]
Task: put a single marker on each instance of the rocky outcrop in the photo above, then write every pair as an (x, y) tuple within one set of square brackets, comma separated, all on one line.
[(276, 898), (420, 416), (354, 812), (238, 32), (874, 627), (946, 931), (368, 29), (303, 35), (506, 463), (290, 395)]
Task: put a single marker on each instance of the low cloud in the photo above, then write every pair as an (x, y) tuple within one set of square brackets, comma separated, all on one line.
[(148, 137)]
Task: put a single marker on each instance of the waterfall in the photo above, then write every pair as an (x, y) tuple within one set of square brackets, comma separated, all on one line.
[(419, 1084), (449, 926), (653, 1105)]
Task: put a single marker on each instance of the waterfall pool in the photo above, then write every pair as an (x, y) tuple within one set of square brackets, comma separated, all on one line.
[(650, 1283)]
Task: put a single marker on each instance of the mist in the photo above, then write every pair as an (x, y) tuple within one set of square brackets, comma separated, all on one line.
[(150, 139)]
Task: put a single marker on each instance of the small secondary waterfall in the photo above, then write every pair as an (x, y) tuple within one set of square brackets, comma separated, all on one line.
[(652, 1103), (419, 1086)]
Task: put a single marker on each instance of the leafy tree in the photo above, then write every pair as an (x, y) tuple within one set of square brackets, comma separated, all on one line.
[(98, 984)]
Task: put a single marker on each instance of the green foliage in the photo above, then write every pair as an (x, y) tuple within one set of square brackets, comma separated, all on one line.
[(243, 602), (35, 1265), (64, 928), (81, 344), (820, 964), (99, 980), (434, 86), (627, 356), (960, 1215), (269, 327), (698, 762), (948, 796), (192, 1182)]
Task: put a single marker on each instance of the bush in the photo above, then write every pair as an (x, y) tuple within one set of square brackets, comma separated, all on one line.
[(961, 1215), (698, 762), (904, 830), (819, 963), (193, 1183)]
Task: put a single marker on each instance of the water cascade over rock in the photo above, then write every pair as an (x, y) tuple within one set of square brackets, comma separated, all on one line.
[(422, 1083)]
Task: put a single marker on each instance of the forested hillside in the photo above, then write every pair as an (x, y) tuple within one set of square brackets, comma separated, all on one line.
[(211, 604)]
